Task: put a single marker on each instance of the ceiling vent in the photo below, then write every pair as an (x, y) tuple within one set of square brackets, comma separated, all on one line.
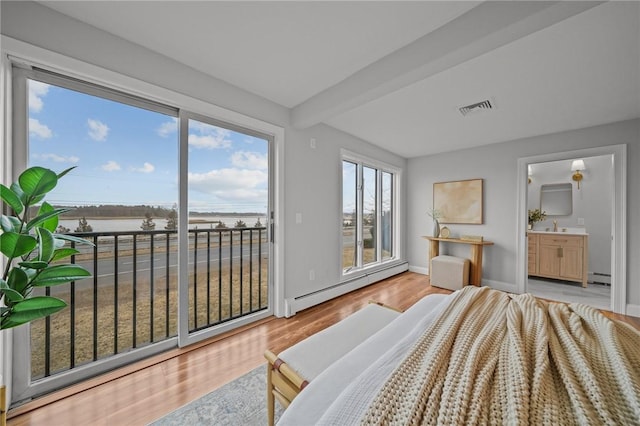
[(476, 108)]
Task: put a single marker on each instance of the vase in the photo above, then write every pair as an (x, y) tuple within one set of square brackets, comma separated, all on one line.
[(436, 228)]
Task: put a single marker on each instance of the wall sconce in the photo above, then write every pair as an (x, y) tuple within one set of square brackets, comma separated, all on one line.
[(529, 171), (577, 166)]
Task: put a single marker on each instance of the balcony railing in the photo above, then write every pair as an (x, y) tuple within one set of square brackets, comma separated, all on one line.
[(131, 300)]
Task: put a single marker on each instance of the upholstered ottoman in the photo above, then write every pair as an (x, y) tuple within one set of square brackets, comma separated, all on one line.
[(291, 370), (449, 272)]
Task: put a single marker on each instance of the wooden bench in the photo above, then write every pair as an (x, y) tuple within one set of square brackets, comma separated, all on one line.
[(291, 370)]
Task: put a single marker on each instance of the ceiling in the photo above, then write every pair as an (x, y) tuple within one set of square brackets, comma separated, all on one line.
[(395, 73)]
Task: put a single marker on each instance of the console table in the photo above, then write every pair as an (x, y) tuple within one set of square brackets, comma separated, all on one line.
[(475, 269)]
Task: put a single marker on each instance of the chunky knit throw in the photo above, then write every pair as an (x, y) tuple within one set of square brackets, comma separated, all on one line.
[(496, 358)]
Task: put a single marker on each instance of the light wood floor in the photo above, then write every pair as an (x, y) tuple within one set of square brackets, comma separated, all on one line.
[(139, 394)]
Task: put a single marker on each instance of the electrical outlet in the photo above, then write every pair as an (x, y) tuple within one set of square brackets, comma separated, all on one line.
[(312, 275), (581, 221), (298, 218)]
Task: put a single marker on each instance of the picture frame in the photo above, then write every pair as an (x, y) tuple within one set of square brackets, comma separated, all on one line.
[(459, 201)]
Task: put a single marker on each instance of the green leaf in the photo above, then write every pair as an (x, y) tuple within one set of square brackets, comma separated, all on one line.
[(45, 217), (31, 309), (46, 246), (49, 224), (18, 280), (15, 187), (59, 274), (11, 198), (34, 265), (11, 296), (61, 253), (74, 239), (64, 172), (9, 223), (14, 245), (37, 181)]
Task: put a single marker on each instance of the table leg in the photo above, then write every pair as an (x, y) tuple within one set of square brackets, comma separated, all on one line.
[(475, 271), (434, 250)]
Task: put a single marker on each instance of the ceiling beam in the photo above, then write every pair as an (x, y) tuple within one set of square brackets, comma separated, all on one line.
[(482, 29)]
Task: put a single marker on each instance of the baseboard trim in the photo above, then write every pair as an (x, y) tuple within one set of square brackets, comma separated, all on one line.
[(500, 285), (419, 270), (633, 310)]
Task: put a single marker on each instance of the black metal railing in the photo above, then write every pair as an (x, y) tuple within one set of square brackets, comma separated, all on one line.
[(131, 300)]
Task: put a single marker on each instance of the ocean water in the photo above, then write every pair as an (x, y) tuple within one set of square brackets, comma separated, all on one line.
[(203, 222)]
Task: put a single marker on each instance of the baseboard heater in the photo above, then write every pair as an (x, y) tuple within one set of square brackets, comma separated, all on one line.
[(599, 278), (296, 304)]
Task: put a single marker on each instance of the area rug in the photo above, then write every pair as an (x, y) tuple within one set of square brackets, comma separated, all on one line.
[(240, 402)]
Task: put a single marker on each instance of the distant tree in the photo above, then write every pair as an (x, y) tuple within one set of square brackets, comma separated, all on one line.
[(83, 226), (147, 223), (221, 225), (258, 224), (240, 224), (172, 219), (62, 230)]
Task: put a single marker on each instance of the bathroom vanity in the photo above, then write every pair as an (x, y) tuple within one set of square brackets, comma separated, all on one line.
[(559, 255)]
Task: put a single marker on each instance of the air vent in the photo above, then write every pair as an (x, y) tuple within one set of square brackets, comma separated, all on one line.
[(476, 108)]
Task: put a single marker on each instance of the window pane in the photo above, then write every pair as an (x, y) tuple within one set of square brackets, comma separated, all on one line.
[(369, 218), (387, 215), (228, 192), (125, 182), (349, 214)]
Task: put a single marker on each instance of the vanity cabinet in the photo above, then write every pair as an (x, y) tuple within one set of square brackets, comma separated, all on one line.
[(559, 256)]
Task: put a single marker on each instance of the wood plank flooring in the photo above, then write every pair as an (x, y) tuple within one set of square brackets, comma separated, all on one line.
[(141, 393)]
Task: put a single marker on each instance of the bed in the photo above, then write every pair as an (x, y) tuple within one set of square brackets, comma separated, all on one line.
[(481, 356)]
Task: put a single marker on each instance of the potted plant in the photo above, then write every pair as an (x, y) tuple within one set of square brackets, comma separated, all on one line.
[(32, 250), (536, 215)]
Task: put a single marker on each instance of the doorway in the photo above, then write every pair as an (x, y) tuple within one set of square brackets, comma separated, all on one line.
[(616, 205), (580, 212)]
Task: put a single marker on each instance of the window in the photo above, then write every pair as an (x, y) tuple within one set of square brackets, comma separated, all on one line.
[(368, 213)]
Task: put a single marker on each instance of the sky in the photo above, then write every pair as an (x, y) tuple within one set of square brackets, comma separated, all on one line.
[(128, 155)]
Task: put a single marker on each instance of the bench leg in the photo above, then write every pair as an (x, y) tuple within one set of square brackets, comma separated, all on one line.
[(270, 397)]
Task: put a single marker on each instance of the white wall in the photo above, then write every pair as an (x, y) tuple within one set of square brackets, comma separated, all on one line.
[(592, 202), (497, 165), (312, 176)]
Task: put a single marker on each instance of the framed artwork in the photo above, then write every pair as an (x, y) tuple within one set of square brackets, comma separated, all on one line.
[(459, 201)]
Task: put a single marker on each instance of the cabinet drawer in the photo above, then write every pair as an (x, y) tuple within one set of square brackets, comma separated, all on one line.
[(561, 240)]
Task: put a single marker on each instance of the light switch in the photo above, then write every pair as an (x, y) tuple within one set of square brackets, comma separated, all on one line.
[(581, 221), (312, 143), (298, 218)]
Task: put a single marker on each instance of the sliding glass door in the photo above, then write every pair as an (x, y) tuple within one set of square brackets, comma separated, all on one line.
[(177, 207)]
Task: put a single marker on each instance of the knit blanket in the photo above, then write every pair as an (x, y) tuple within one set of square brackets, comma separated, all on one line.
[(497, 358)]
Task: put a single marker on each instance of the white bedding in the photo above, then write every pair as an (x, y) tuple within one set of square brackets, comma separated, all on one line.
[(365, 368)]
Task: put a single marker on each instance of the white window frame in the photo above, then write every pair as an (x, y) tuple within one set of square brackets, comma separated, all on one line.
[(360, 268)]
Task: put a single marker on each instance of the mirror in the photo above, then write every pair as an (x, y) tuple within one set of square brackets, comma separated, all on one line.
[(556, 199)]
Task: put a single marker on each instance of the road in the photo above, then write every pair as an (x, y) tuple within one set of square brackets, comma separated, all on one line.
[(143, 266)]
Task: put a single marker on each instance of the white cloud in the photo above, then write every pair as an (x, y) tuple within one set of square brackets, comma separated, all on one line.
[(207, 136), (146, 168), (38, 129), (168, 127), (110, 166), (249, 160), (57, 158), (97, 130), (208, 142), (37, 90), (217, 181)]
